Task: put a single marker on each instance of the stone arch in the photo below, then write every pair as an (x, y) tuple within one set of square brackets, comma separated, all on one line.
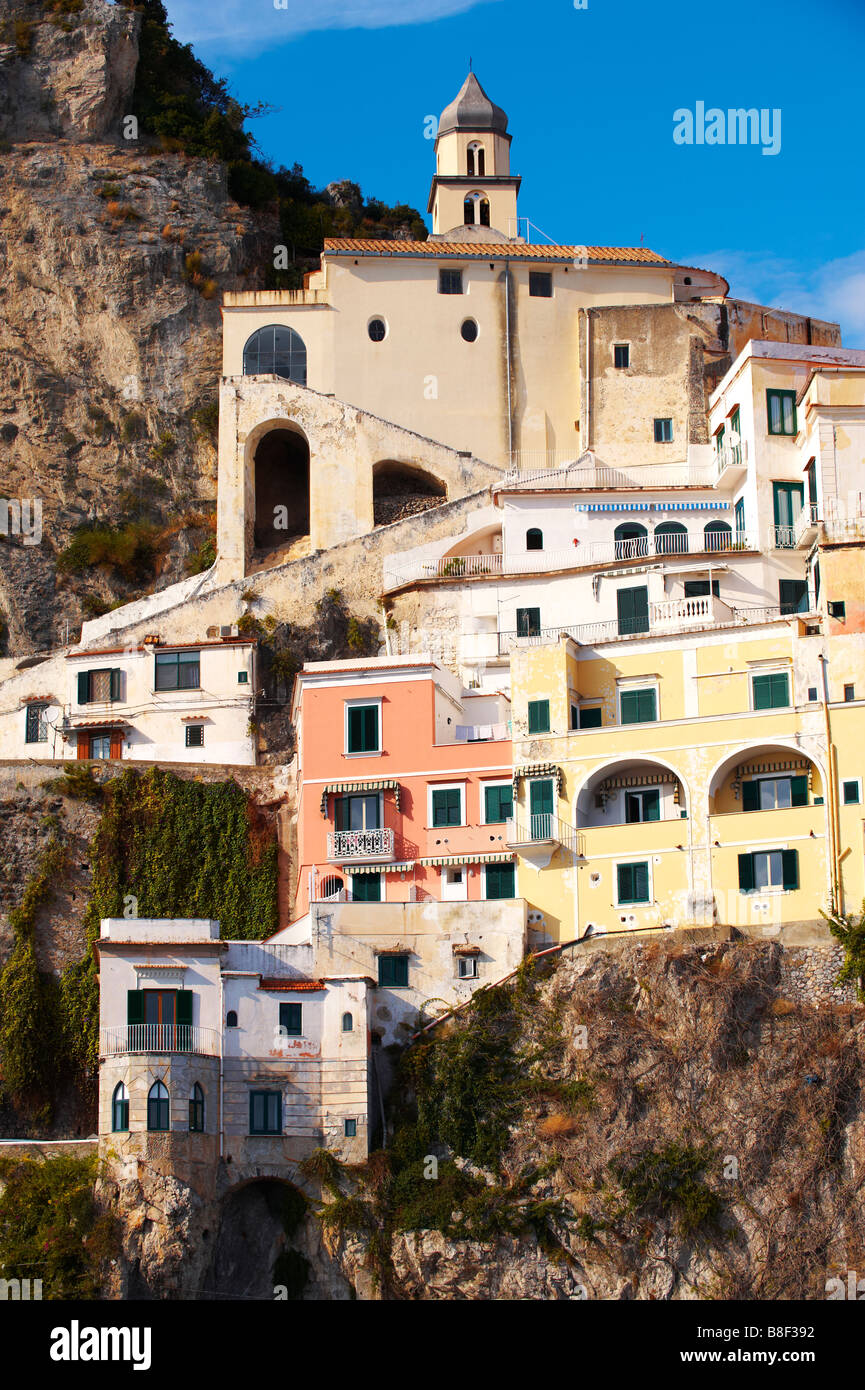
[(279, 465), (778, 750), (584, 799), (255, 1248), (402, 489)]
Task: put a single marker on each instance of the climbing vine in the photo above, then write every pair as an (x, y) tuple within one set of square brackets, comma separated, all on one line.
[(28, 996), (169, 847)]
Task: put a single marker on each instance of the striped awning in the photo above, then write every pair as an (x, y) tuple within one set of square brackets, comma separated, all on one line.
[(642, 779), (447, 860), (776, 765), (370, 784), (651, 506), (403, 867), (539, 770)]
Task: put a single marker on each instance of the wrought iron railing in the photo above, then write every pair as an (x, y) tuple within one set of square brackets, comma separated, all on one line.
[(158, 1037), (542, 828), (360, 844)]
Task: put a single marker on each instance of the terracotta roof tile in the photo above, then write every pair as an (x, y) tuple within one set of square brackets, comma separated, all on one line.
[(287, 985), (494, 250)]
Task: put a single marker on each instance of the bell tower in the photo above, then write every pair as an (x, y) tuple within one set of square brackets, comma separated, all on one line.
[(474, 194)]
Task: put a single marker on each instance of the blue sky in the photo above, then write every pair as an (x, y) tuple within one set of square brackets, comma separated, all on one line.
[(590, 95)]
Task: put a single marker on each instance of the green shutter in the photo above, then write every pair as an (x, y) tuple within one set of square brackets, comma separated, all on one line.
[(790, 868), (746, 873), (539, 716), (638, 707), (590, 718), (370, 729), (652, 805), (115, 684), (799, 791), (541, 797), (750, 796), (632, 607), (498, 804), (183, 1006), (641, 883), (134, 1006), (499, 881), (84, 687), (446, 806), (625, 883)]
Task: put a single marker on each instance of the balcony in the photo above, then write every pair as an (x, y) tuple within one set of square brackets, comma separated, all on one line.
[(674, 615), (590, 555), (158, 1037), (360, 846), (534, 468), (805, 529), (545, 829)]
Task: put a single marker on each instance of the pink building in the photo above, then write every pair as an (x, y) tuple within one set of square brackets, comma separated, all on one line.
[(405, 785)]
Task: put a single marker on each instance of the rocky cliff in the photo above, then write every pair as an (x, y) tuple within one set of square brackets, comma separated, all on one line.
[(112, 256)]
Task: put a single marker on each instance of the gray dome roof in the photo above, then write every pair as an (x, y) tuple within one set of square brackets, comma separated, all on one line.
[(471, 109)]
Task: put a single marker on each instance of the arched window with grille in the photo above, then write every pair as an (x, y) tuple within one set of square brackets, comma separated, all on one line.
[(276, 351), (671, 538), (347, 1023), (231, 1018), (718, 535), (631, 539), (534, 538), (196, 1109), (120, 1108), (157, 1107)]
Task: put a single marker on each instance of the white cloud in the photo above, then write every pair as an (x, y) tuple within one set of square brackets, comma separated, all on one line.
[(238, 25), (834, 290)]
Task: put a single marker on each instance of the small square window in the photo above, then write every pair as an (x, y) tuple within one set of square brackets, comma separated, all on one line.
[(781, 411), (350, 1129), (851, 792), (447, 806), (467, 967), (362, 734), (632, 883), (195, 736), (621, 354), (812, 694), (541, 284), (771, 691), (393, 971), (291, 1019), (664, 430), (450, 282), (243, 678), (849, 693)]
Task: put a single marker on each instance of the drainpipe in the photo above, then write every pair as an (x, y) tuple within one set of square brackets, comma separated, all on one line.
[(508, 360), (837, 894), (221, 1062), (587, 442)]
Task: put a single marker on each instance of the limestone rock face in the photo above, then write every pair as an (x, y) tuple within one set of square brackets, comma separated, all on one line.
[(72, 80), (110, 337)]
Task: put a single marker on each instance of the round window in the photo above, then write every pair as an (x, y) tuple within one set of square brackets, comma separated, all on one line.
[(469, 330), (376, 329)]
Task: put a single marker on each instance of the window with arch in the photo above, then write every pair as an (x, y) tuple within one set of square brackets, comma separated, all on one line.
[(196, 1109), (276, 351), (476, 210), (331, 886), (718, 535), (347, 1023), (157, 1107), (630, 539), (231, 1018), (476, 159), (534, 538), (671, 538), (120, 1108)]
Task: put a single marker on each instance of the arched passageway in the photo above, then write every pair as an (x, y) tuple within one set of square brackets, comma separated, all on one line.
[(281, 488), (254, 1251), (400, 490)]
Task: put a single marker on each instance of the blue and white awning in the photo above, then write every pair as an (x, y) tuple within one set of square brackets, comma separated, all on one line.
[(651, 506)]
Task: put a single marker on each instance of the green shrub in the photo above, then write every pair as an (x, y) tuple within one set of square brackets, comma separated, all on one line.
[(669, 1182), (76, 781), (51, 1228), (132, 549), (202, 558)]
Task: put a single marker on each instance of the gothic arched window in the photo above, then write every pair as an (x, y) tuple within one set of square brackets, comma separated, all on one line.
[(120, 1108), (157, 1107)]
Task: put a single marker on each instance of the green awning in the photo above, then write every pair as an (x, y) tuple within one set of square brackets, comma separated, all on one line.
[(370, 784), (539, 770), (404, 867)]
